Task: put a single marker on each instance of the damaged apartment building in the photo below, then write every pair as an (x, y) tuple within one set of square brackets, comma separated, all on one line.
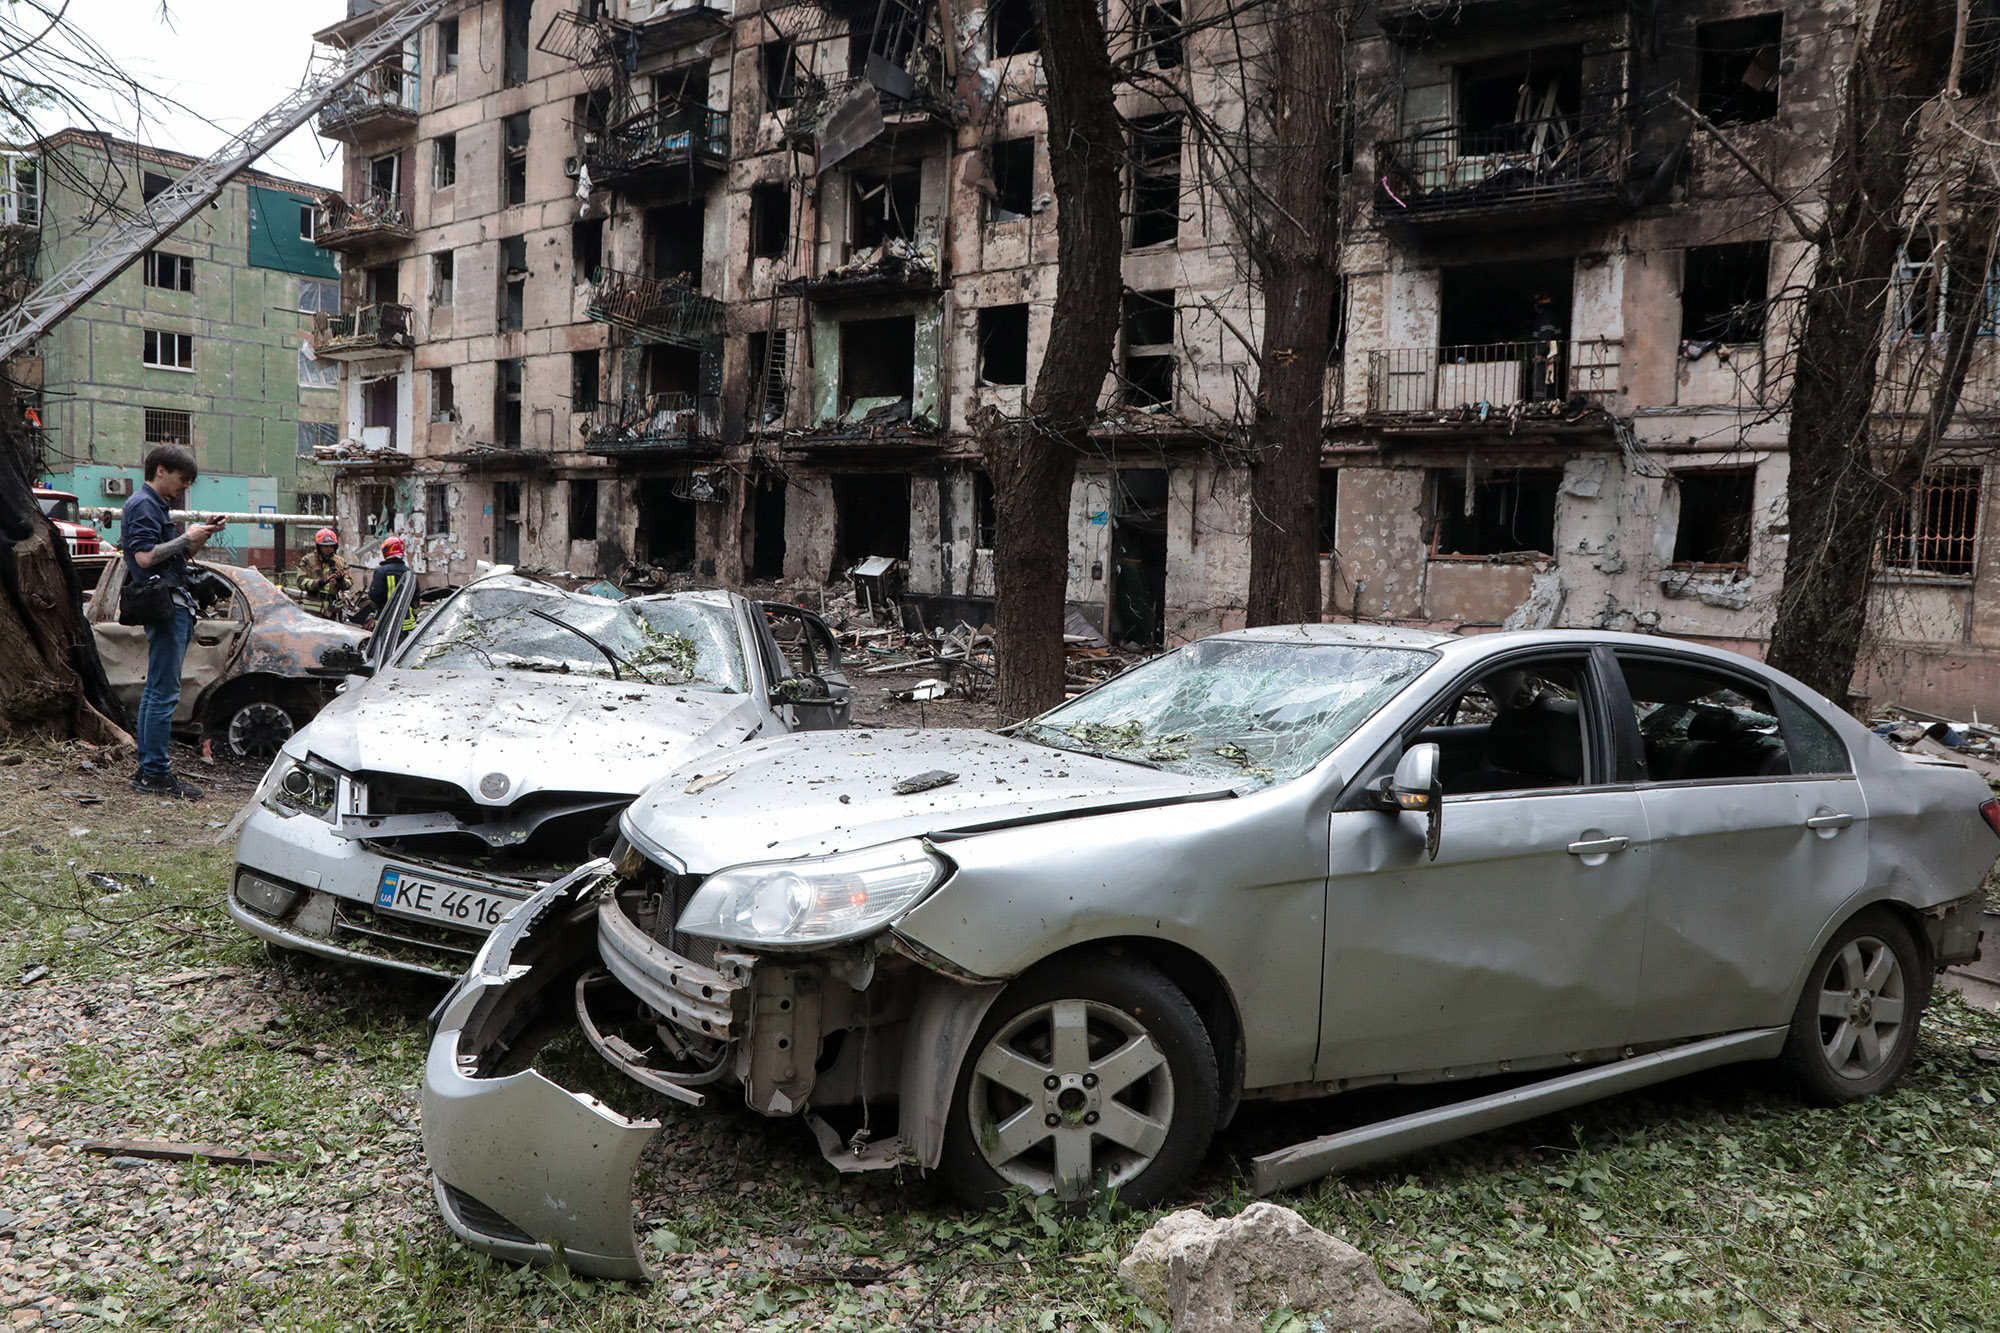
[(718, 289)]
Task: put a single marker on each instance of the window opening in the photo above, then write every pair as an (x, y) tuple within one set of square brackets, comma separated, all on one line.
[(1162, 43), (666, 529), (673, 370), (442, 267), (1003, 344), (152, 184), (1153, 206), (583, 510), (1936, 529), (686, 86), (1723, 293), (317, 296), (769, 362), (871, 516), (315, 373), (1010, 171), (1515, 729), (507, 408), (882, 206), (164, 426), (514, 282), (313, 502), (1138, 588), (168, 351), (447, 45), (507, 522), (586, 248), (1146, 365), (174, 273), (878, 360), (311, 435), (1700, 725), (1013, 26), (674, 243), (437, 507), (444, 400), (444, 161), (514, 158), (515, 17), (1509, 512), (1329, 509), (383, 283), (770, 220), (377, 506), (584, 370), (1715, 509), (1506, 105), (308, 222), (774, 60), (385, 175), (1739, 69)]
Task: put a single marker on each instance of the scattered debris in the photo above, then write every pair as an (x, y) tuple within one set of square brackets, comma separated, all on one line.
[(84, 798), (702, 782), (1986, 1055), (120, 882), (9, 760), (932, 688), (160, 1150), (34, 973), (1973, 743), (936, 777)]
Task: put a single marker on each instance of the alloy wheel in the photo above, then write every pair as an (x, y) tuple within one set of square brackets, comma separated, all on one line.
[(1862, 998)]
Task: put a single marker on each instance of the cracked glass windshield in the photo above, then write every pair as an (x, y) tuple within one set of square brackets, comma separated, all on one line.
[(1255, 713), (655, 642)]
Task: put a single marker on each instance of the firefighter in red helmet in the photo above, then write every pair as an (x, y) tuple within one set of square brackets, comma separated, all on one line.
[(324, 579)]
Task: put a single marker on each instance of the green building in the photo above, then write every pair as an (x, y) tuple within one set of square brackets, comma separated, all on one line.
[(201, 343)]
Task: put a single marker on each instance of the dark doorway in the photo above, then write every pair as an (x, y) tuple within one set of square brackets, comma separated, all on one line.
[(871, 516), (506, 522), (1139, 557), (1482, 306), (673, 243), (878, 360), (767, 529), (666, 525)]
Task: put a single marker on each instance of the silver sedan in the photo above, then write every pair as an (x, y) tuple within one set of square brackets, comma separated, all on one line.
[(1275, 863)]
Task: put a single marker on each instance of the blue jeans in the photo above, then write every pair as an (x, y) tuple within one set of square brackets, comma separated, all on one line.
[(166, 650)]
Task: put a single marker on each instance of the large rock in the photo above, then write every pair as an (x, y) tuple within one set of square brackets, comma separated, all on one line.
[(1229, 1276)]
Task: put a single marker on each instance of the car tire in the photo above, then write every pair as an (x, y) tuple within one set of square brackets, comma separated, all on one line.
[(256, 728), (1132, 1108), (1855, 1026)]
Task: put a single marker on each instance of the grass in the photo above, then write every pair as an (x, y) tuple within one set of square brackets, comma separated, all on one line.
[(1713, 1202)]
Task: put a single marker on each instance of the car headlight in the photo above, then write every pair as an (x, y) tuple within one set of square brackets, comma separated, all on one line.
[(301, 786), (817, 900)]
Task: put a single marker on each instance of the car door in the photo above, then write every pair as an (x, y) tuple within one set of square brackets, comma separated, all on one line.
[(1760, 833), (121, 648), (1523, 937), (809, 689), (389, 634)]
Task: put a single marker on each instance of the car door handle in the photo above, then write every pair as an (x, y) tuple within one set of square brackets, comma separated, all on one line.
[(1829, 821), (1599, 846), (207, 640)]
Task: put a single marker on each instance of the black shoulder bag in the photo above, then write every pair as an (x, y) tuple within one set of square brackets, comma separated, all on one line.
[(147, 601)]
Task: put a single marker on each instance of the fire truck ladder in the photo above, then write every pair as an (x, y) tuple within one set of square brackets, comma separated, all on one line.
[(109, 254)]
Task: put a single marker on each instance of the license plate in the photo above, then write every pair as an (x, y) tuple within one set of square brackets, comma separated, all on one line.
[(414, 893)]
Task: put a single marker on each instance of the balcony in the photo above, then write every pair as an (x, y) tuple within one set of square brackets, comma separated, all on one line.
[(660, 422), (381, 102), (1415, 22), (895, 268), (832, 115), (656, 309), (371, 332), (1530, 172), (677, 141), (1492, 386), (375, 220)]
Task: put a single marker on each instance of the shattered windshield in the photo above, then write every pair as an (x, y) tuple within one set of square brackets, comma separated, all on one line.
[(654, 641), (1247, 711)]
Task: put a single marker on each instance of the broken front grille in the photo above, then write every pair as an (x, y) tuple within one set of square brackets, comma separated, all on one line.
[(655, 900)]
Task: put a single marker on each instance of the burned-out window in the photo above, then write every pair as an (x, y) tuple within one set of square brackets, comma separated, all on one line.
[(673, 370), (444, 161), (684, 86), (1935, 530), (1507, 104), (882, 206), (1153, 201), (1003, 344), (1739, 69), (583, 510), (877, 361), (382, 284), (1013, 27), (514, 282), (437, 507), (1698, 724), (1329, 509), (1010, 171), (516, 16), (514, 159), (1715, 507), (1146, 359), (1511, 512), (444, 400), (442, 268), (774, 62), (985, 513), (1724, 293), (1162, 43), (674, 243), (770, 220), (586, 248), (584, 378), (507, 403), (447, 45)]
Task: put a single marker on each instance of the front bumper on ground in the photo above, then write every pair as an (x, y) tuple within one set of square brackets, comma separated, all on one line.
[(328, 874), (524, 1169)]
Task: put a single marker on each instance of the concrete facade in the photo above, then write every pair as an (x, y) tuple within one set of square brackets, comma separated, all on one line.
[(708, 311)]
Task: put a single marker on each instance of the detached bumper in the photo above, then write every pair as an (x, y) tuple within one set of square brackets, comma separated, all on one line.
[(524, 1169)]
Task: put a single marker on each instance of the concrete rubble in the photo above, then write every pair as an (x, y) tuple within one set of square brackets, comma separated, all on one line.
[(1230, 1275)]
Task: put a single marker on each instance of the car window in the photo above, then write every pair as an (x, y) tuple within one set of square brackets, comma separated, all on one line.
[(1253, 712), (1811, 744), (653, 641), (59, 507), (1697, 724), (1515, 728)]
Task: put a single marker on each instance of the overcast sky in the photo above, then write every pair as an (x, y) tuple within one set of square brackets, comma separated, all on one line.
[(229, 61)]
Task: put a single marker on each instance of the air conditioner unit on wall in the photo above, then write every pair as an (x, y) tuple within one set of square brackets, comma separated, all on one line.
[(117, 485)]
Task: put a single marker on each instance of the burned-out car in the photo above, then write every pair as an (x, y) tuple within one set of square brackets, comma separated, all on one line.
[(494, 745), (1274, 863), (258, 668)]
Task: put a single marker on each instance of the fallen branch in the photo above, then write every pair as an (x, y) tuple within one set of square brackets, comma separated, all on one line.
[(163, 1151)]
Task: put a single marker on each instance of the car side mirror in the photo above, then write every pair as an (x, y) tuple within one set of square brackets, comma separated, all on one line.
[(1418, 787), (810, 691)]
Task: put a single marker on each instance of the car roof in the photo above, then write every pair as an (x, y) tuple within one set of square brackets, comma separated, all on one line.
[(705, 596)]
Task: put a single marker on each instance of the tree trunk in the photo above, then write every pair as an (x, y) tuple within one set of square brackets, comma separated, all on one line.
[(1033, 461), (52, 686), (1836, 492), (1296, 247)]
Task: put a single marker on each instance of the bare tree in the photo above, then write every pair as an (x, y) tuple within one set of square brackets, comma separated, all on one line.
[(1032, 459)]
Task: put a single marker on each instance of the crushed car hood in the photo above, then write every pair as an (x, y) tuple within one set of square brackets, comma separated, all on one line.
[(545, 732), (826, 791)]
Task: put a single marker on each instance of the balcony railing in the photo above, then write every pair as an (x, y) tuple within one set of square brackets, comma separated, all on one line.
[(653, 422), (1529, 168), (662, 310), (382, 100), (374, 219), (672, 137), (1483, 380), (811, 103), (1424, 20), (369, 331)]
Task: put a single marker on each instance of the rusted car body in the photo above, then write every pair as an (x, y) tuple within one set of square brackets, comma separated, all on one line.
[(493, 747), (1276, 863), (258, 668)]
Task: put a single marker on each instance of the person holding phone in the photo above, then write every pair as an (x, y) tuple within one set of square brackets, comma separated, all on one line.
[(156, 560)]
